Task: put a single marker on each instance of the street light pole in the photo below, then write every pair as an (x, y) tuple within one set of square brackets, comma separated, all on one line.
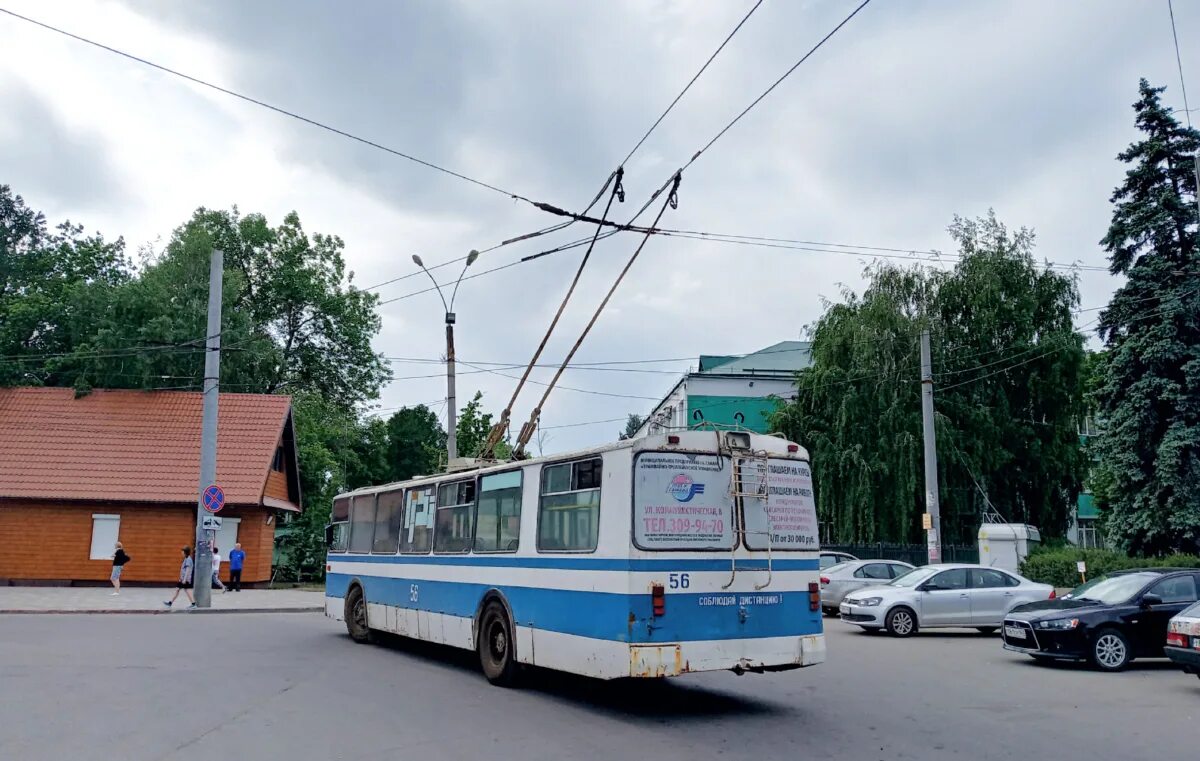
[(451, 401)]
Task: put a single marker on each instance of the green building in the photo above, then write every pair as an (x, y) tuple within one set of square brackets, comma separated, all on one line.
[(731, 391)]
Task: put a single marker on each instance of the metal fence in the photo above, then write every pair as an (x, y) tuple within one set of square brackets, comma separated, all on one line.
[(914, 554)]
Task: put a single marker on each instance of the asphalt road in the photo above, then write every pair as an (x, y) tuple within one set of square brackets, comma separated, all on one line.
[(293, 686)]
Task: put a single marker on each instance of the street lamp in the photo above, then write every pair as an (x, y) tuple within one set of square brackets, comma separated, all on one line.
[(451, 408)]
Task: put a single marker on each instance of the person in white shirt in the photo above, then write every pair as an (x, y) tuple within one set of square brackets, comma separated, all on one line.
[(216, 569)]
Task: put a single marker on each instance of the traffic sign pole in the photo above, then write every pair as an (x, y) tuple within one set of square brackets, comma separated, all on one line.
[(202, 571)]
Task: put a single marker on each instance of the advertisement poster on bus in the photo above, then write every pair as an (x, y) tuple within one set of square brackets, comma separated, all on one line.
[(682, 501), (789, 512)]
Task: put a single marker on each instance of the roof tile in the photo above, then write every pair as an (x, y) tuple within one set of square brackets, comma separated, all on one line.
[(136, 446)]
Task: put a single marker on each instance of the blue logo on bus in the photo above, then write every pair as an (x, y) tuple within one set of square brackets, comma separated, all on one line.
[(683, 488)]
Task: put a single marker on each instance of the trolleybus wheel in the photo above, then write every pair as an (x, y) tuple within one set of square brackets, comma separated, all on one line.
[(495, 646), (356, 615)]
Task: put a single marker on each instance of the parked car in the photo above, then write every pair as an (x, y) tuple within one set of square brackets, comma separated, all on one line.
[(1108, 621), (830, 559), (838, 580), (944, 595), (1183, 639)]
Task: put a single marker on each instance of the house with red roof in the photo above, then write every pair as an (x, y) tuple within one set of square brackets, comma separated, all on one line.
[(80, 472)]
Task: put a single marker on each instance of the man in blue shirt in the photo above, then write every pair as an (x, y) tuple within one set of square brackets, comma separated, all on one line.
[(237, 559)]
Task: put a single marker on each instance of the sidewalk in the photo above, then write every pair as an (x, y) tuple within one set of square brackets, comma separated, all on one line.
[(150, 600)]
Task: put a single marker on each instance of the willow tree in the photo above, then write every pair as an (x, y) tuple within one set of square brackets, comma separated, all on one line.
[(1009, 369)]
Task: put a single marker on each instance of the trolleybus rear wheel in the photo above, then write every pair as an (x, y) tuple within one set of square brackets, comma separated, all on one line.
[(356, 615), (495, 646)]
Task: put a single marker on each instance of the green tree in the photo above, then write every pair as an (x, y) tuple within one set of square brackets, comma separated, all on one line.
[(416, 443), (1008, 367), (632, 424), (291, 320), (48, 278), (473, 428), (1149, 394)]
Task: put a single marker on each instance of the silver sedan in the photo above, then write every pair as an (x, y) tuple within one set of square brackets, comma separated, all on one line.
[(838, 580), (950, 595)]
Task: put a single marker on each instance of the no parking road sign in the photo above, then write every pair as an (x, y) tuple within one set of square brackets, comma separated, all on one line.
[(213, 499)]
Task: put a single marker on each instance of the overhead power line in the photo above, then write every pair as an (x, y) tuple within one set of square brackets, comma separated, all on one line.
[(276, 109), (565, 388), (757, 241), (775, 84), (580, 425), (691, 82), (1179, 63)]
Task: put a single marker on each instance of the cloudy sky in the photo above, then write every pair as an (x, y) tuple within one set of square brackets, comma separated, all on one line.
[(914, 112)]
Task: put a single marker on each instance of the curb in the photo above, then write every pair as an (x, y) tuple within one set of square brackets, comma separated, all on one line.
[(156, 611)]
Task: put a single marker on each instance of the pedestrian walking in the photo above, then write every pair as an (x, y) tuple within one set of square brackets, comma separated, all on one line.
[(216, 569), (119, 561), (237, 558), (185, 579)]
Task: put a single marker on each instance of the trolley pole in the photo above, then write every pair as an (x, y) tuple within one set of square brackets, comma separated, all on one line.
[(202, 557), (933, 520)]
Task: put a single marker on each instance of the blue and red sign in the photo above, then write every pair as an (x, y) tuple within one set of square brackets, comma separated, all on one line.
[(683, 488), (213, 499)]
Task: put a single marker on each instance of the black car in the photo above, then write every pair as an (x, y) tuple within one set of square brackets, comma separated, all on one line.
[(1107, 621)]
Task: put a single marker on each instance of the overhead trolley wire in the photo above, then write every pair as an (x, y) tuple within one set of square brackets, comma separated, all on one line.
[(775, 84), (691, 82)]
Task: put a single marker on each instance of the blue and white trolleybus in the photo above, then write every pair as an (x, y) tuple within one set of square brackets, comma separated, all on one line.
[(649, 557)]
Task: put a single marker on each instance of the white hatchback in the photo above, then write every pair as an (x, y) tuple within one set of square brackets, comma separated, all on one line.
[(947, 595)]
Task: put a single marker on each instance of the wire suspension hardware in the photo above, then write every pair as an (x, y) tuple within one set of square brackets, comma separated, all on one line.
[(501, 426), (530, 426)]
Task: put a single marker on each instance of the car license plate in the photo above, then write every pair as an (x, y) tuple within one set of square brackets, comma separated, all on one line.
[(1015, 632)]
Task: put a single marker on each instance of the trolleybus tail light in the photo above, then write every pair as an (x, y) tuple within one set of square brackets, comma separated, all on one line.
[(672, 439), (793, 447), (658, 597), (814, 596)]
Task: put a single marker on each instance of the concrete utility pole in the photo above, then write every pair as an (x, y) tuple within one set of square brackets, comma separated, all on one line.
[(451, 401), (202, 570), (933, 521)]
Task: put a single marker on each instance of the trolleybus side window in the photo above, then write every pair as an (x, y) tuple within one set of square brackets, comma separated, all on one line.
[(340, 518), (455, 514), (498, 520), (388, 516), (416, 528), (362, 523), (569, 508)]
